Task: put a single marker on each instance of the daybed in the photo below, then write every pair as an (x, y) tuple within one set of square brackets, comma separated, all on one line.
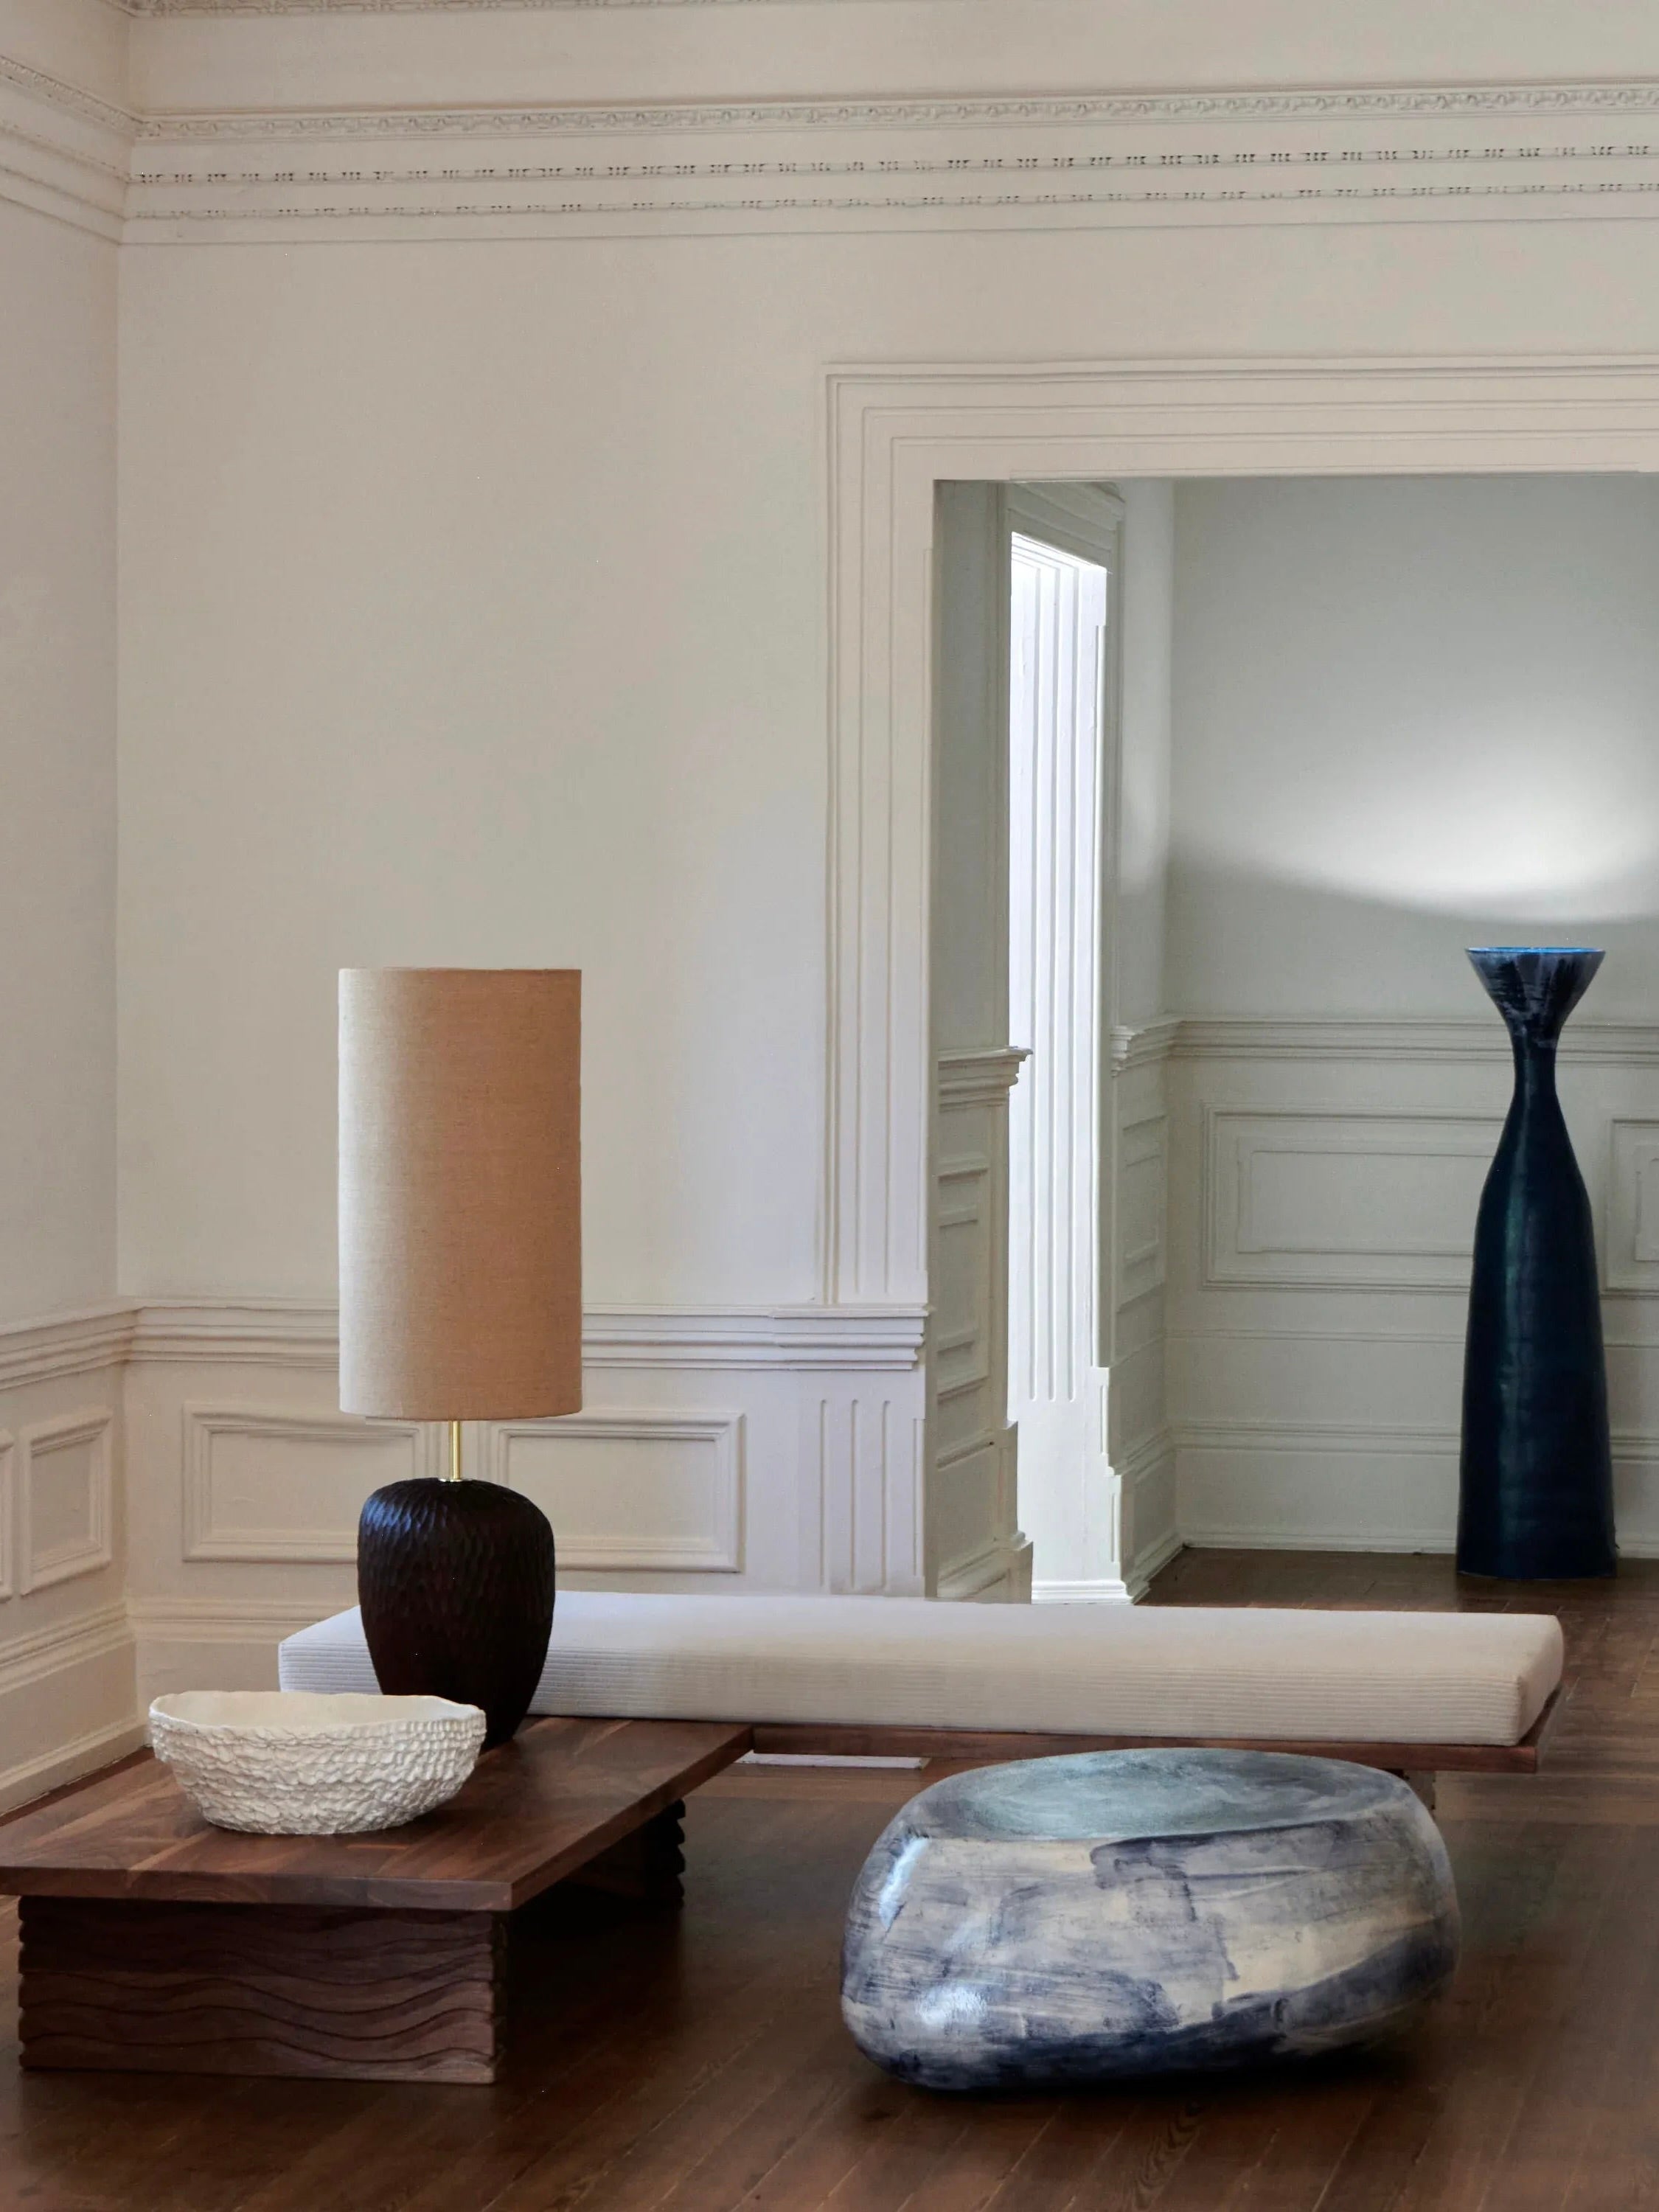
[(1421, 1693)]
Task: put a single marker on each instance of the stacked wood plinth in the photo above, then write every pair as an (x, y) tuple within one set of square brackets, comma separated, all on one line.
[(646, 1868), (254, 1988), (153, 1942)]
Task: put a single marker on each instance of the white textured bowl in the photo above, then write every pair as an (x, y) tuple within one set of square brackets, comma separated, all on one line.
[(292, 1763)]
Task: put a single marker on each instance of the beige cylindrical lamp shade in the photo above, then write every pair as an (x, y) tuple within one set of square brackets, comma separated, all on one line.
[(460, 1193)]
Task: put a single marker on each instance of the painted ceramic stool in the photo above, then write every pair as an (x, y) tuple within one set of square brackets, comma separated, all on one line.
[(1069, 1920)]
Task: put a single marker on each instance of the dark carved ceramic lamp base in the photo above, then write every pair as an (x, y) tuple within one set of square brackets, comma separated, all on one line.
[(455, 1580)]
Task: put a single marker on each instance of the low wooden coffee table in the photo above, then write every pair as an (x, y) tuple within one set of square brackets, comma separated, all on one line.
[(153, 1941)]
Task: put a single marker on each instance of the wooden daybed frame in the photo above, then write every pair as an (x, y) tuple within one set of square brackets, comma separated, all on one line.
[(1418, 1762)]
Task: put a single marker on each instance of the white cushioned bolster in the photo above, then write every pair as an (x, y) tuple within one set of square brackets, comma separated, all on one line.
[(1076, 1669)]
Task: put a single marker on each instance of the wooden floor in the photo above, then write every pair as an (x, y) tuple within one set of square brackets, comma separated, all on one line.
[(700, 2064)]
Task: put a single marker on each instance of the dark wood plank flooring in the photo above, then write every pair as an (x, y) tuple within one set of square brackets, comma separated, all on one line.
[(697, 2063)]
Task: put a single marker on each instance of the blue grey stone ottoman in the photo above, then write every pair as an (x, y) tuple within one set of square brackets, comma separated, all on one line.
[(1069, 1920)]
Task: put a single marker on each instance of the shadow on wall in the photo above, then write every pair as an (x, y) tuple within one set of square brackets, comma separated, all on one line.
[(1255, 943)]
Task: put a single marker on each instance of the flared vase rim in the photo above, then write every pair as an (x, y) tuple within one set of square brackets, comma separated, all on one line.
[(1510, 951)]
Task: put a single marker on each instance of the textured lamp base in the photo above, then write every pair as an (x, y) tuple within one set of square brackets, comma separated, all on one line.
[(455, 1580)]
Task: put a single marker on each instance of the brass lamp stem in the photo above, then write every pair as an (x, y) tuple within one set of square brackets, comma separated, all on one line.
[(454, 1451)]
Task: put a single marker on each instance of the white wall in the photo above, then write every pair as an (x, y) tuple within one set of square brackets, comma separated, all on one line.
[(57, 762), (432, 655), (1141, 1445), (66, 1658), (1148, 707), (1410, 716)]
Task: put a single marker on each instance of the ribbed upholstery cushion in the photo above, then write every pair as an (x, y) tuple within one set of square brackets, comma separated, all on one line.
[(1109, 1669)]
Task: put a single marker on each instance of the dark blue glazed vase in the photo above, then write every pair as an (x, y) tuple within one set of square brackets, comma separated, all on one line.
[(1536, 1495)]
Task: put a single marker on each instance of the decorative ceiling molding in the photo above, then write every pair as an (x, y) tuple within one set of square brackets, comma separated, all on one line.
[(1406, 104), (142, 7), (68, 98), (1503, 152), (64, 154), (380, 194)]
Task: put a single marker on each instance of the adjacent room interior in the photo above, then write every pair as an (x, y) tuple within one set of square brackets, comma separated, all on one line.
[(1264, 1085), (766, 1260)]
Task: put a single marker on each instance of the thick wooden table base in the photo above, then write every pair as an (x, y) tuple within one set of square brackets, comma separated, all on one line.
[(646, 1868), (262, 1989), (152, 1943), (292, 1989)]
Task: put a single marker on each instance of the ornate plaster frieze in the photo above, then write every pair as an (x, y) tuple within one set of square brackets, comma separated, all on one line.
[(63, 153), (67, 99), (1056, 161), (1415, 103), (390, 7), (386, 7), (1505, 152), (989, 189)]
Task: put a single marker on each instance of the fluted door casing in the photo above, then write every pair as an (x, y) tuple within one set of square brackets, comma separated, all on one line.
[(1536, 1493)]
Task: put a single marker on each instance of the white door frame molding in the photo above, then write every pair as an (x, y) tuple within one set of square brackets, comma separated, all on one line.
[(894, 433), (1064, 778)]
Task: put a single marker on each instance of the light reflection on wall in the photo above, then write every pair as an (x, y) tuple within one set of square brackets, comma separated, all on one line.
[(1436, 700), (1558, 821)]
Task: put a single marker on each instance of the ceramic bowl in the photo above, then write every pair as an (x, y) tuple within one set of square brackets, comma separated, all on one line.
[(292, 1763)]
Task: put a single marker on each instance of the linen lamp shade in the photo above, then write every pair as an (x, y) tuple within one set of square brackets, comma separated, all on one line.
[(460, 1300), (460, 1193)]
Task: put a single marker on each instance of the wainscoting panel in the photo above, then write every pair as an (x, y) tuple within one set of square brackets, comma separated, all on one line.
[(972, 1545), (1324, 1181), (632, 1488), (1143, 1171), (859, 1452), (66, 1487), (8, 1514), (263, 1483), (66, 1647), (771, 1449), (1631, 1242), (1140, 1447), (961, 1346), (1337, 1200)]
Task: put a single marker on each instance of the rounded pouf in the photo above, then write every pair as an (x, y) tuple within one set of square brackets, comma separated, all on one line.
[(1071, 1920)]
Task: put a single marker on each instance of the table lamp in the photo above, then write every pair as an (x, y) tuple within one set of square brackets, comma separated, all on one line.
[(460, 1300)]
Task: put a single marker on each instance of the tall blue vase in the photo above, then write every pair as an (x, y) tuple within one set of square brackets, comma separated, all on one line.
[(1536, 1495)]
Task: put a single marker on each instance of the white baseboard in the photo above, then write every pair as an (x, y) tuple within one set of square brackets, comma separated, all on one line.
[(999, 1572), (69, 1686), (1434, 1540), (1153, 1561), (1109, 1590), (1433, 1545), (50, 1770), (214, 1643), (226, 1620)]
